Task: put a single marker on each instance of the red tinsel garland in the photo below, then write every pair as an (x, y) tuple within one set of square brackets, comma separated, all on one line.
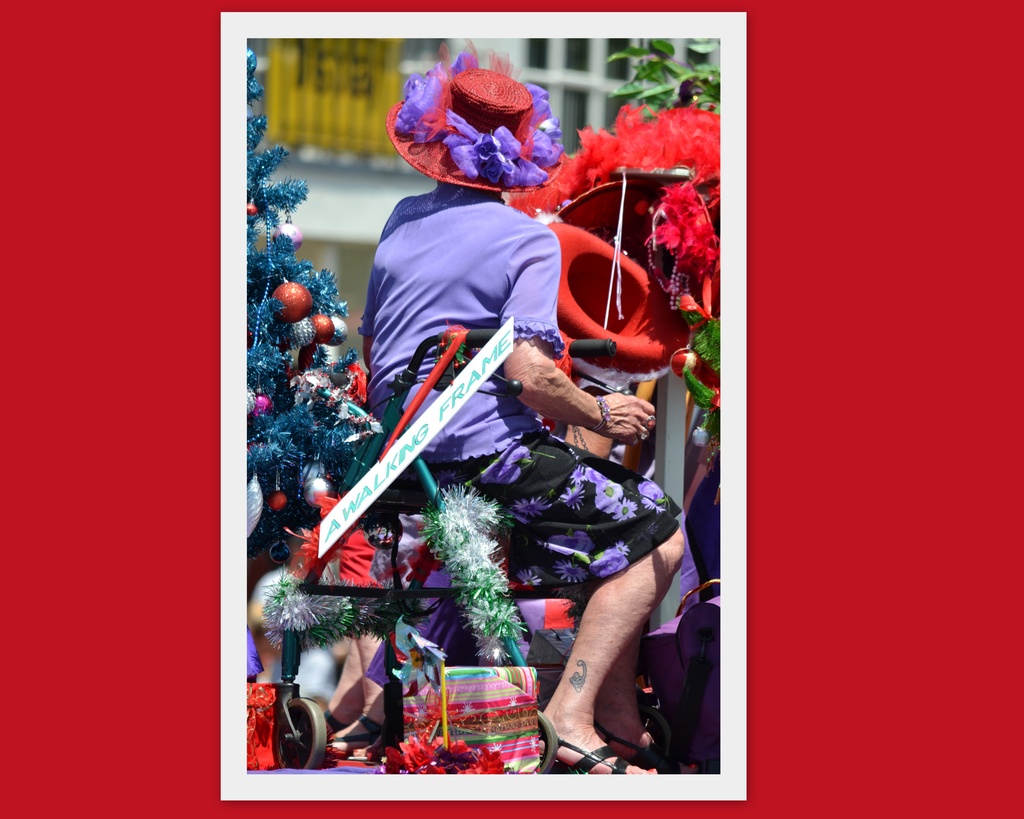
[(417, 756)]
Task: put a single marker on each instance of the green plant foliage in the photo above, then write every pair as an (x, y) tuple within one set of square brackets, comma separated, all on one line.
[(661, 81)]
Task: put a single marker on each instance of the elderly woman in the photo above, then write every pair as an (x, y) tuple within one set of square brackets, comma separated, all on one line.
[(459, 256)]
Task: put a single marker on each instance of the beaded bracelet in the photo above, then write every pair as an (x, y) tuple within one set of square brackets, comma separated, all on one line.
[(606, 413)]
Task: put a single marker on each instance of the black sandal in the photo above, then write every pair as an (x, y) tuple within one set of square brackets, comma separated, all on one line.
[(650, 757), (332, 722), (590, 759), (369, 736)]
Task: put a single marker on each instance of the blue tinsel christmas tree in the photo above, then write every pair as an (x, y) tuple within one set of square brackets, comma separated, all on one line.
[(300, 436)]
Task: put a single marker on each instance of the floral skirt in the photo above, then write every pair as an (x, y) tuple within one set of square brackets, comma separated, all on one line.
[(576, 517)]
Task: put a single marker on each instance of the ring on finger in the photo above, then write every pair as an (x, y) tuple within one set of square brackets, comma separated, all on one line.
[(643, 435), (650, 421)]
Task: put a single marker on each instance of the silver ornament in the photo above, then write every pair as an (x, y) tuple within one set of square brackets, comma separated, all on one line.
[(313, 469), (382, 530), (253, 504), (701, 437), (303, 332), (315, 490), (340, 331), (250, 402)]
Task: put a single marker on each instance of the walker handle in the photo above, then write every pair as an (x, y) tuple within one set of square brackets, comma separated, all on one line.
[(592, 348), (475, 339)]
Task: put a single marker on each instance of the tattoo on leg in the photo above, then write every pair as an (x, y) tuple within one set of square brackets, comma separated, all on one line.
[(577, 679)]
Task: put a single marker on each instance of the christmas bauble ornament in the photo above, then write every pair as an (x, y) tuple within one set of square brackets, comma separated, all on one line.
[(315, 490), (280, 552), (277, 500), (312, 469), (262, 405), (678, 361), (382, 530), (253, 505), (323, 328), (251, 209), (701, 437), (250, 59), (340, 331), (296, 302), (303, 332), (250, 402), (290, 231)]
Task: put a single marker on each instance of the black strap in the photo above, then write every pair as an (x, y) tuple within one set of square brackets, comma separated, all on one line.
[(687, 713)]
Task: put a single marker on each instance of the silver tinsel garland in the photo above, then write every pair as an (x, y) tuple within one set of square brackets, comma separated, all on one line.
[(464, 534), (321, 620)]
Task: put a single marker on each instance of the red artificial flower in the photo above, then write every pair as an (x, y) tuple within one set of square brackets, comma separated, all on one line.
[(417, 756), (356, 389)]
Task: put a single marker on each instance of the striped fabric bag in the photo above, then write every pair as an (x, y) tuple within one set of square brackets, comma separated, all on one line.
[(493, 707)]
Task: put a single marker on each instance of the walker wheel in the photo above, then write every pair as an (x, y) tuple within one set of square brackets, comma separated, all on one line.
[(550, 737), (657, 726), (307, 746)]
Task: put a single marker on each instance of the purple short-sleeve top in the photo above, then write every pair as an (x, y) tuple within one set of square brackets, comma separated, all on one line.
[(458, 256)]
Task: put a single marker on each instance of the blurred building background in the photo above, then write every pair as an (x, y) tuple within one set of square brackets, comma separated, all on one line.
[(326, 101)]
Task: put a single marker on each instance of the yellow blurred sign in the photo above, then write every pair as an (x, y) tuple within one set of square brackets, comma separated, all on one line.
[(334, 93)]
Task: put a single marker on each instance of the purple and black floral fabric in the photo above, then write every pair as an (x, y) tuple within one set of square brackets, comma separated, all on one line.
[(576, 518)]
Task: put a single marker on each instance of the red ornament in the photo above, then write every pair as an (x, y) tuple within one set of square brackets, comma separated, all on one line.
[(678, 361), (323, 328), (296, 300), (251, 209), (277, 500)]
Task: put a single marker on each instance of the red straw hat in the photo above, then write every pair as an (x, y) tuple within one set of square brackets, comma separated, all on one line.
[(477, 128), (650, 330)]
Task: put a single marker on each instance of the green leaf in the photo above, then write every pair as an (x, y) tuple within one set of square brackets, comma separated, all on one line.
[(665, 88), (632, 51), (628, 90), (649, 70), (663, 46), (702, 46)]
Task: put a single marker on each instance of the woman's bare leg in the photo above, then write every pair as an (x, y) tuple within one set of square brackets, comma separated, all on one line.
[(599, 679)]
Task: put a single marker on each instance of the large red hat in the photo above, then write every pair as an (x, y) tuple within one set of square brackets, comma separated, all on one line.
[(488, 106), (650, 330)]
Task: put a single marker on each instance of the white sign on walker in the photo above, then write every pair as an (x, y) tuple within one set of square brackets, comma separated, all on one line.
[(405, 450)]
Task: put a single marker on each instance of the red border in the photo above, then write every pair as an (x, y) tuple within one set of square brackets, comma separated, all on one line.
[(116, 173)]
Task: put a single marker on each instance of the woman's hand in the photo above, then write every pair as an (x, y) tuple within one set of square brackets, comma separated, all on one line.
[(630, 419), (551, 393)]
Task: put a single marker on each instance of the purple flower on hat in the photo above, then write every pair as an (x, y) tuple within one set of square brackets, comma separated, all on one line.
[(477, 153), (506, 467), (464, 61), (545, 151), (494, 156), (608, 562), (422, 96), (543, 119)]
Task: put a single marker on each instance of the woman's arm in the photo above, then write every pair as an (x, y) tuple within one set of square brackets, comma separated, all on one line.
[(551, 393)]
